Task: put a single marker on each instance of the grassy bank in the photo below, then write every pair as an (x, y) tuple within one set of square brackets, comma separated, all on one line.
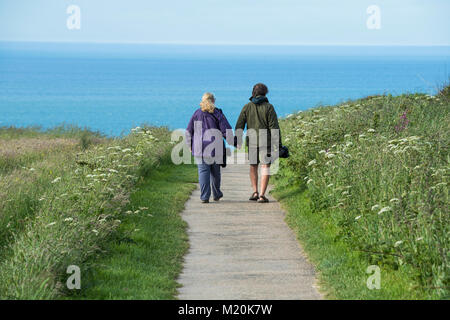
[(64, 206), (367, 184), (146, 257)]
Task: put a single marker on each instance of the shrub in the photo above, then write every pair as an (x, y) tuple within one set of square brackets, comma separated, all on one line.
[(379, 166)]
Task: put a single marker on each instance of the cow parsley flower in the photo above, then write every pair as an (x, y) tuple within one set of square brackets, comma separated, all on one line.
[(56, 180), (384, 210)]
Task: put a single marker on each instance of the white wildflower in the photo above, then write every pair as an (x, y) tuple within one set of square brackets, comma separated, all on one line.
[(394, 200), (371, 130), (68, 219), (51, 224), (358, 217), (309, 181), (384, 210), (312, 162), (95, 231), (375, 207), (56, 180), (398, 243)]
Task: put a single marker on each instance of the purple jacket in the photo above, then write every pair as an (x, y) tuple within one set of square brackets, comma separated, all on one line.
[(215, 120)]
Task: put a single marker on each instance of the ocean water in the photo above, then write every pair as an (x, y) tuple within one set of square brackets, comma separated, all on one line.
[(113, 88)]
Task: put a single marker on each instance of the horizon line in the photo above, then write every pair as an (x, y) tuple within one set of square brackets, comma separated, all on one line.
[(231, 43)]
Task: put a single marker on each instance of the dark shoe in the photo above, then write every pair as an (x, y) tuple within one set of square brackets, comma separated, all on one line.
[(254, 197), (217, 199), (205, 201), (263, 199)]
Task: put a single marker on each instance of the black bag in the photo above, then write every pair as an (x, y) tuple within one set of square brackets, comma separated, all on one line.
[(284, 152), (225, 150)]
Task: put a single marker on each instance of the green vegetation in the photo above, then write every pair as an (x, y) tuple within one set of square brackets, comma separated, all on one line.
[(145, 260), (22, 146), (64, 206), (367, 184)]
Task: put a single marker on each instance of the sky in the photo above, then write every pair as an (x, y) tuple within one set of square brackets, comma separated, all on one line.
[(270, 22)]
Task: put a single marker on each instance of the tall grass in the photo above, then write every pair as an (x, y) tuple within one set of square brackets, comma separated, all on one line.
[(378, 168), (63, 209), (61, 131), (21, 146)]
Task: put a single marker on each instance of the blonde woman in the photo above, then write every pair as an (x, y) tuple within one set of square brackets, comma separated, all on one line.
[(205, 118)]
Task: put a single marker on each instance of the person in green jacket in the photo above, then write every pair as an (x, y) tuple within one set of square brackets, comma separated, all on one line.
[(262, 123)]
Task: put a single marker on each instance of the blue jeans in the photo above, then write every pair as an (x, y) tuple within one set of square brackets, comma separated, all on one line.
[(209, 177)]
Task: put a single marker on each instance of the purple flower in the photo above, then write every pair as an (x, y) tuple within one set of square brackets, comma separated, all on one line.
[(403, 122)]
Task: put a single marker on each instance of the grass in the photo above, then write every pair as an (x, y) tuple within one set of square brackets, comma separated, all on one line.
[(63, 208), (341, 269), (62, 131), (371, 177), (20, 147), (145, 260)]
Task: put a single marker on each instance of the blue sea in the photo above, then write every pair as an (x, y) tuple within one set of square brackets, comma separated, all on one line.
[(115, 87)]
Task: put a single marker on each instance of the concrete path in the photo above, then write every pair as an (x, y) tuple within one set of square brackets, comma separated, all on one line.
[(240, 249)]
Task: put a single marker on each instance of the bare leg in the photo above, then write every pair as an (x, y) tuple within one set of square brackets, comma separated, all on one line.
[(254, 176), (265, 175)]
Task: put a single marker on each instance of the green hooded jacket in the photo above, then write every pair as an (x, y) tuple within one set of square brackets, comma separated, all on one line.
[(258, 114)]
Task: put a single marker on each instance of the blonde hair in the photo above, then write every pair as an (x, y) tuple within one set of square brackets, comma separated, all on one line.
[(207, 103)]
